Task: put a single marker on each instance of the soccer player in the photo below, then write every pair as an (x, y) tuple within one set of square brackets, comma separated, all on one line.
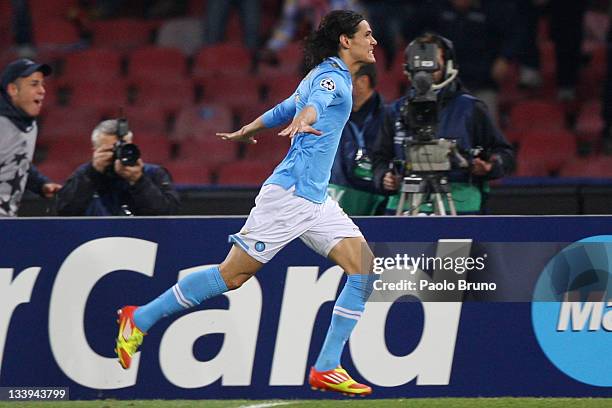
[(292, 203)]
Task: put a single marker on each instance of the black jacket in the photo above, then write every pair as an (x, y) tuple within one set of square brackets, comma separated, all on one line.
[(88, 192)]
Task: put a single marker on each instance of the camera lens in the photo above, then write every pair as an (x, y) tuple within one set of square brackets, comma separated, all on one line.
[(128, 154)]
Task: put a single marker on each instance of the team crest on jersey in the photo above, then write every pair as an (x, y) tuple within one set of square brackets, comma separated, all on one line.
[(260, 246), (328, 83)]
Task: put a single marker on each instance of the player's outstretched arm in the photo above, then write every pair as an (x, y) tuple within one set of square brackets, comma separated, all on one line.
[(302, 123), (246, 133)]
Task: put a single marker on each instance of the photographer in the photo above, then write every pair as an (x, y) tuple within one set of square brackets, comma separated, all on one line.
[(457, 116), (351, 182), (116, 181)]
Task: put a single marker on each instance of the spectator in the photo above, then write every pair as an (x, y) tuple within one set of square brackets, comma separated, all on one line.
[(217, 14), (351, 178), (485, 37), (461, 117), (606, 105), (23, 92), (106, 186), (294, 14), (392, 19), (566, 32), (22, 29)]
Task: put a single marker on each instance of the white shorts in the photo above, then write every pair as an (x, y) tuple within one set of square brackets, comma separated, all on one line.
[(279, 217)]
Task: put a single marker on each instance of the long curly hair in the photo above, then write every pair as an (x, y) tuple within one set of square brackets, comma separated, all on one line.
[(325, 41)]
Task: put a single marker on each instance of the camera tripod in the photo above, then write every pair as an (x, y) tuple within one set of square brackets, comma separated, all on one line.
[(416, 187)]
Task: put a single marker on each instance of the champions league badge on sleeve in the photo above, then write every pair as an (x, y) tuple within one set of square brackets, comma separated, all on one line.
[(328, 84)]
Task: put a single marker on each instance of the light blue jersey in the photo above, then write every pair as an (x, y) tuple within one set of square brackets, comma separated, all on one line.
[(307, 166)]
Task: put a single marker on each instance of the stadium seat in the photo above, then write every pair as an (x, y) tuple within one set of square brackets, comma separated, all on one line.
[(95, 63), (600, 167), (589, 124), (58, 171), (189, 172), (552, 148), (235, 91), (55, 32), (537, 114), (208, 150), (202, 121), (157, 63), (58, 122), (155, 147), (270, 147), (244, 173), (530, 167), (70, 149), (123, 33), (45, 9), (289, 61), (147, 118), (221, 58), (170, 94), (99, 95), (186, 34), (279, 88)]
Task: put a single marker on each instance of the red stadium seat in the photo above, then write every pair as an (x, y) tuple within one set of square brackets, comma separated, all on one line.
[(537, 114), (53, 32), (93, 64), (236, 92), (170, 94), (247, 173), (189, 172), (45, 9), (589, 124), (58, 171), (157, 63), (588, 167), (530, 167), (122, 33), (57, 122), (279, 88), (154, 147), (99, 95), (147, 119), (72, 150), (552, 148), (209, 150), (269, 147), (221, 58), (202, 121)]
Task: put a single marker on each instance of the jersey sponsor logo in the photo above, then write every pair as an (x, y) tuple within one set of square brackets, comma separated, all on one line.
[(328, 84)]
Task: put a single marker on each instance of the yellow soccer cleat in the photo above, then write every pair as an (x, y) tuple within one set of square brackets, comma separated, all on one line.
[(337, 380), (129, 337)]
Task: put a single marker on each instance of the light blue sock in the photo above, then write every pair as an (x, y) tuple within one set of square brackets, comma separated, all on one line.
[(188, 292), (347, 311)]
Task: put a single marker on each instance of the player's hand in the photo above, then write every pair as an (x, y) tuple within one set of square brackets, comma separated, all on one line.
[(241, 135), (481, 167), (49, 189), (129, 173), (391, 181), (102, 158), (298, 127)]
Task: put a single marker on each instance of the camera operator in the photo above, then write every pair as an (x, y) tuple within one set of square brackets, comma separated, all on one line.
[(116, 181), (351, 182), (457, 116)]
